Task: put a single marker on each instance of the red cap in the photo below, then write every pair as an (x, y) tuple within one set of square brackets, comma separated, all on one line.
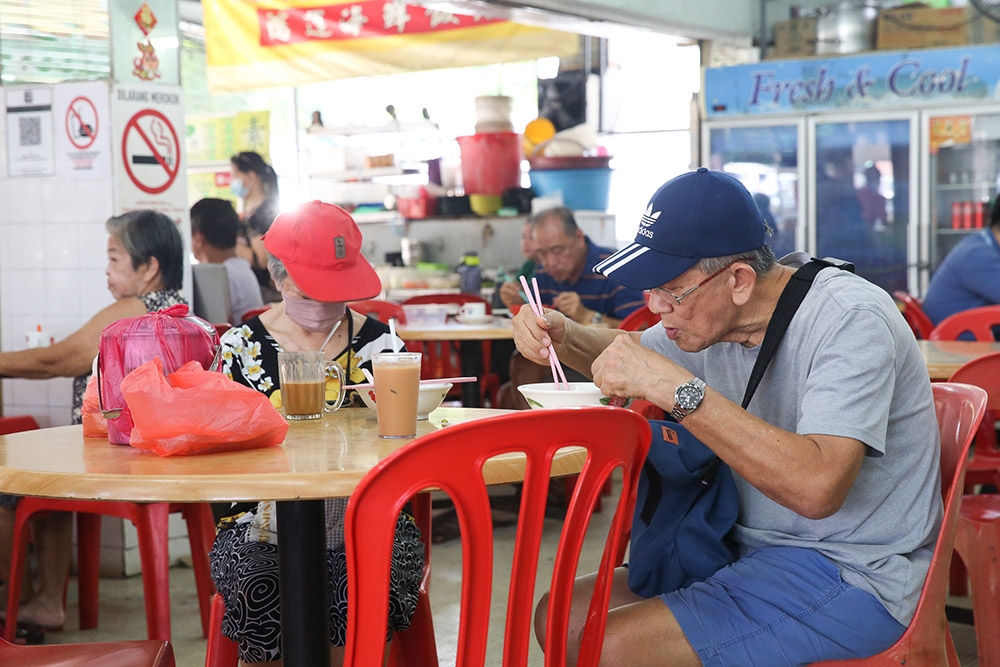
[(320, 246)]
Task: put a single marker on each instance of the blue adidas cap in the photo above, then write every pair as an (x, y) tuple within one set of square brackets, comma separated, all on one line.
[(693, 216)]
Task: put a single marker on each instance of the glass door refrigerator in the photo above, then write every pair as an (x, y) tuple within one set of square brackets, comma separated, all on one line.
[(861, 168), (767, 157), (962, 164), (896, 154)]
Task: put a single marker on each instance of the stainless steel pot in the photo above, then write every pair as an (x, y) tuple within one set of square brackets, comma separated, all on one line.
[(845, 28)]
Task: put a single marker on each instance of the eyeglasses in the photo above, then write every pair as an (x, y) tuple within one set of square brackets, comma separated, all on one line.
[(555, 251), (685, 294)]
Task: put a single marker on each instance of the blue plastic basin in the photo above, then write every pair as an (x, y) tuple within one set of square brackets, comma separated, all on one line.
[(582, 189)]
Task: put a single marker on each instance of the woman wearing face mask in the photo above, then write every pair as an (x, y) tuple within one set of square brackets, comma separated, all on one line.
[(316, 262), (255, 183)]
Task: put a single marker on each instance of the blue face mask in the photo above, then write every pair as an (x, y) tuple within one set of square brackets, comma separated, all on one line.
[(237, 187)]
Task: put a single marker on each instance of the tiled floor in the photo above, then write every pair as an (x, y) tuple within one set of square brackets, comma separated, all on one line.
[(122, 617)]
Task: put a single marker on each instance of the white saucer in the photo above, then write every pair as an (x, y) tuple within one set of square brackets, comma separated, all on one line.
[(474, 319)]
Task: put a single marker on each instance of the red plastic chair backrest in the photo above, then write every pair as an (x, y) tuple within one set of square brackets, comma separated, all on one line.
[(927, 641), (448, 297), (452, 460), (383, 309), (984, 372), (913, 313), (17, 423), (441, 358), (640, 320), (250, 314), (977, 321)]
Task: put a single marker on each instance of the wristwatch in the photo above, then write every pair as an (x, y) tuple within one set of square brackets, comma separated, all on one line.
[(687, 397), (597, 318)]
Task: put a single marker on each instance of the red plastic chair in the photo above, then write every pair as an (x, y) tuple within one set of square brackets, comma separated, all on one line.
[(913, 313), (640, 320), (927, 641), (976, 321), (382, 309), (441, 358), (142, 653), (222, 327), (452, 460), (254, 312), (150, 521), (977, 541)]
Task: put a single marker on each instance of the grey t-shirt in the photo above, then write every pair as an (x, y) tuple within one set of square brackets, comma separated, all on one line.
[(244, 290), (848, 366)]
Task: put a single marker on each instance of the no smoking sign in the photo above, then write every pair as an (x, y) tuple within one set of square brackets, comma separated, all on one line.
[(81, 123), (150, 151)]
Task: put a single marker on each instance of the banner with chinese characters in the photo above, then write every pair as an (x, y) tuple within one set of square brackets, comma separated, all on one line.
[(275, 43)]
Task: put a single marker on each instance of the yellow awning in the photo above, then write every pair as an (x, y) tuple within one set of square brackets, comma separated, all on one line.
[(274, 43)]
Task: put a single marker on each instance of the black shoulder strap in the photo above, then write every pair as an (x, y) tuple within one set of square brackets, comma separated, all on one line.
[(788, 303)]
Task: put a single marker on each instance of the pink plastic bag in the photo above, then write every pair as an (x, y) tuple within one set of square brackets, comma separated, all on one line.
[(194, 411), (170, 334)]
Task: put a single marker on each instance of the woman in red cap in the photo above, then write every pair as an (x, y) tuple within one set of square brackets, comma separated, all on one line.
[(316, 262)]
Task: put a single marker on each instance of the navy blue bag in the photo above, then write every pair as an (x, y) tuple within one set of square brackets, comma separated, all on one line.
[(687, 501), (673, 507)]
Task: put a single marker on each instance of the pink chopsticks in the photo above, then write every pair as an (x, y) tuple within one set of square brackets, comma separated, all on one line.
[(535, 301), (458, 380)]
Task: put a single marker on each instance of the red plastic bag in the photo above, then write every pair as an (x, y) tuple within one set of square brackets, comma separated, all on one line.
[(94, 423), (194, 411), (172, 334)]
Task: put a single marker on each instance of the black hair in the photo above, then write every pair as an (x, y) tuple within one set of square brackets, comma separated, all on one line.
[(564, 215), (251, 162), (146, 234), (995, 214), (260, 219), (217, 220)]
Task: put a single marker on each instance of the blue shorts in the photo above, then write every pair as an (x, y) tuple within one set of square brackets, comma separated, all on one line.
[(781, 606)]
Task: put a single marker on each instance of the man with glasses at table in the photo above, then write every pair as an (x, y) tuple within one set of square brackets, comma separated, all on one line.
[(567, 282), (836, 459), (566, 278)]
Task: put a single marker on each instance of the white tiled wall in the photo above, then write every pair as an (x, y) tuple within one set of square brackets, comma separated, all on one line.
[(52, 257), (53, 250)]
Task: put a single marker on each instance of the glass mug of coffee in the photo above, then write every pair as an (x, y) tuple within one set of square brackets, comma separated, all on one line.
[(303, 384)]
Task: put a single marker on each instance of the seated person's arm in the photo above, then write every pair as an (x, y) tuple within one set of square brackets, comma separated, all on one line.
[(576, 345), (809, 474), (510, 294), (72, 356), (570, 305)]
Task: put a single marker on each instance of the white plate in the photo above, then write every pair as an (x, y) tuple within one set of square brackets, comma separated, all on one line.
[(474, 319)]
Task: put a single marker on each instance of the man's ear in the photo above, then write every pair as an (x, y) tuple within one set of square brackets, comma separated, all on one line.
[(744, 278)]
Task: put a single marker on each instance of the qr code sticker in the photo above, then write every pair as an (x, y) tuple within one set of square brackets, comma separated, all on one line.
[(30, 131)]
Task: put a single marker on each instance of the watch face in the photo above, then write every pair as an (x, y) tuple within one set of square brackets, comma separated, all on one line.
[(688, 396)]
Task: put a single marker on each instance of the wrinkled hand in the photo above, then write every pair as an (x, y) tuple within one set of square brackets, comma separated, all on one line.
[(510, 294), (627, 369), (533, 335), (569, 304)]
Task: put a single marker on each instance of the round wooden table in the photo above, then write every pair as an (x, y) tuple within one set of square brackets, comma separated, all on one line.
[(943, 357), (319, 459)]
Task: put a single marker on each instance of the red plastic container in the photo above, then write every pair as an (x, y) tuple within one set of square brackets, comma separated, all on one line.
[(491, 162)]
